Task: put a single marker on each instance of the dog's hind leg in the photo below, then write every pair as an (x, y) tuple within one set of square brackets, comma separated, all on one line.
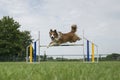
[(76, 38)]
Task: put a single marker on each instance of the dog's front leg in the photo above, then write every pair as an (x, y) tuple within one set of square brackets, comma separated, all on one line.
[(51, 44)]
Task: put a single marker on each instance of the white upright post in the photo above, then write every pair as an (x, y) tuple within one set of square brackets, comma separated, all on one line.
[(27, 58), (39, 46), (83, 48), (97, 53)]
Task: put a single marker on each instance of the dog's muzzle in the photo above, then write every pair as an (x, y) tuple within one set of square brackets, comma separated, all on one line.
[(52, 37)]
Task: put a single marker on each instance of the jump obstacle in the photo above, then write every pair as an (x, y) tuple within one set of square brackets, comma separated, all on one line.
[(31, 53), (88, 42)]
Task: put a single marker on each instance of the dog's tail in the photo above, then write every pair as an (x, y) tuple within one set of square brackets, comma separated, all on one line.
[(74, 28)]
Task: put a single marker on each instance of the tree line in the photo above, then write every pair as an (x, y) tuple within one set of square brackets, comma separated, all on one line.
[(13, 42), (109, 57)]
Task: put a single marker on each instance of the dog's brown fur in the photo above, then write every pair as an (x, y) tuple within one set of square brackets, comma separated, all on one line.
[(59, 38)]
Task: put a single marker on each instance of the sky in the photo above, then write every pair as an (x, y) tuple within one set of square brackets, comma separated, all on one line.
[(99, 19)]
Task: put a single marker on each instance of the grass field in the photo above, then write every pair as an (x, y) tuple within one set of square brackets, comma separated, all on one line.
[(60, 71)]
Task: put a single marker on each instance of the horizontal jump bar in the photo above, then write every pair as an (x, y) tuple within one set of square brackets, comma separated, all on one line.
[(63, 45), (71, 55)]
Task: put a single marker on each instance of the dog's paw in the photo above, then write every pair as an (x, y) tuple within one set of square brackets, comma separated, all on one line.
[(47, 46), (79, 38)]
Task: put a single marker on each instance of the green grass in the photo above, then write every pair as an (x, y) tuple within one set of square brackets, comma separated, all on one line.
[(60, 71)]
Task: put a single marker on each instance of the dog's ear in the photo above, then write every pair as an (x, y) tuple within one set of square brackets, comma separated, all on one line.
[(55, 30), (50, 30)]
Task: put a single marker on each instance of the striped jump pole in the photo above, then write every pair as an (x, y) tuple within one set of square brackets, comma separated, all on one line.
[(31, 53), (93, 50), (88, 51), (34, 51), (88, 58)]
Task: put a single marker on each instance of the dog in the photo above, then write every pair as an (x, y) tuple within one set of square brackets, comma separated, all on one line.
[(59, 37)]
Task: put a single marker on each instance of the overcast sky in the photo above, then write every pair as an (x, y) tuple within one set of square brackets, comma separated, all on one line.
[(100, 20)]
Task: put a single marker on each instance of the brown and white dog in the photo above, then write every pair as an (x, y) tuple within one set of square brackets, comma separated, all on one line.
[(59, 37)]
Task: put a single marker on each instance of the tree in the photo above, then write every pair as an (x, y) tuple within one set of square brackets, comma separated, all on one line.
[(113, 56), (44, 57), (12, 40)]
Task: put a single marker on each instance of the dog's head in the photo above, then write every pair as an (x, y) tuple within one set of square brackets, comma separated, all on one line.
[(74, 28), (53, 34)]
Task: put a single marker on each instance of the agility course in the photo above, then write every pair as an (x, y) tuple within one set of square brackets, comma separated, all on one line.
[(89, 51)]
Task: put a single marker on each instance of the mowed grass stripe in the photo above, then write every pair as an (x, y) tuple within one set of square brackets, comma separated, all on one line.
[(60, 71)]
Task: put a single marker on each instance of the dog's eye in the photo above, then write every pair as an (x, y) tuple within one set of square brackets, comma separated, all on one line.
[(50, 33)]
